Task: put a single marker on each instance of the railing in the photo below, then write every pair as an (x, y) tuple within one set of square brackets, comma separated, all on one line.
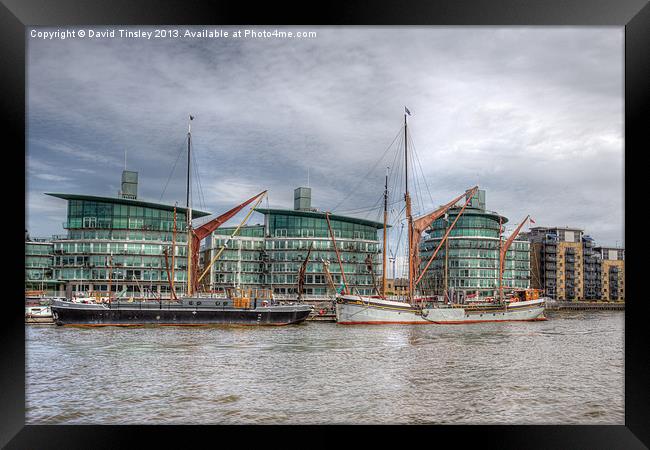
[(304, 297)]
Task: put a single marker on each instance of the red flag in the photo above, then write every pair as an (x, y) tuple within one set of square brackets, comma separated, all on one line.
[(531, 220)]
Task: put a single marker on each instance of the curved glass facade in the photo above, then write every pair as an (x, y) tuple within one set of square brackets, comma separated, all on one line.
[(469, 262)]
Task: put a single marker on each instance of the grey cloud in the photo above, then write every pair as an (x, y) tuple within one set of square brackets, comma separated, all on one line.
[(534, 115)]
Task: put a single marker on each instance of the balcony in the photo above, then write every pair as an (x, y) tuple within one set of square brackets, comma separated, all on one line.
[(550, 248), (552, 258), (552, 267)]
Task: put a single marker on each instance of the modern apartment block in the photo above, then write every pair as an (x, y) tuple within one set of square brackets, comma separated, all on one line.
[(270, 255), (612, 272), (566, 265)]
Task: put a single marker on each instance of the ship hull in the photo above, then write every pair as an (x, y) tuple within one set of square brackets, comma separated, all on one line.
[(167, 315), (356, 310)]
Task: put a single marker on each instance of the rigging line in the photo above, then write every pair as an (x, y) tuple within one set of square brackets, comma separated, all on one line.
[(394, 171), (397, 218), (419, 181), (416, 185), (198, 177), (377, 208), (173, 168), (396, 174), (423, 177), (366, 209), (373, 208), (367, 174)]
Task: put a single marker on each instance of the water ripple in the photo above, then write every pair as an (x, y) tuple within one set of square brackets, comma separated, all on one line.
[(569, 369)]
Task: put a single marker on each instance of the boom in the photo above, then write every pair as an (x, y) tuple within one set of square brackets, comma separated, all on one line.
[(504, 250), (205, 230), (422, 223), (302, 271)]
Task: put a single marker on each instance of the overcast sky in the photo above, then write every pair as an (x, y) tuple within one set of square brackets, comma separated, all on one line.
[(533, 115)]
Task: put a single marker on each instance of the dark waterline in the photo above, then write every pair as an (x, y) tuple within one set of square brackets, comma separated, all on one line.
[(567, 370)]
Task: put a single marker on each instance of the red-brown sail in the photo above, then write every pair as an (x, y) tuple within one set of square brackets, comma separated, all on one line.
[(204, 230)]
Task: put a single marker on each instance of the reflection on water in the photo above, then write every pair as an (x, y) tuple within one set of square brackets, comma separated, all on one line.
[(568, 369)]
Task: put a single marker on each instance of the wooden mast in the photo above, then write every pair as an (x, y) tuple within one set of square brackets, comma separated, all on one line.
[(171, 282), (189, 211), (446, 261), (110, 270), (407, 199), (383, 269), (500, 263)]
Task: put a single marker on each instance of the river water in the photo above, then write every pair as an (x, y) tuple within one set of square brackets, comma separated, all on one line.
[(566, 370)]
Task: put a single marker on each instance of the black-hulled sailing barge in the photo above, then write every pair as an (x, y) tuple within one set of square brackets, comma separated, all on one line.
[(239, 307)]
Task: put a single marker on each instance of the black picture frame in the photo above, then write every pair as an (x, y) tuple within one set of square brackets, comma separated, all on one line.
[(634, 15)]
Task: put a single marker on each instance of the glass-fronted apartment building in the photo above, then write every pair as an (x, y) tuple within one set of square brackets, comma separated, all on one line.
[(39, 261), (118, 244), (468, 263), (270, 255)]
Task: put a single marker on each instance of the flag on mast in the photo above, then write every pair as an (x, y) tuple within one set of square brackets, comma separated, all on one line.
[(531, 220), (407, 111)]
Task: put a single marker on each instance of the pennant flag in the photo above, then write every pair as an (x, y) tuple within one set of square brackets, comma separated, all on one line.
[(407, 111), (191, 117), (531, 220)]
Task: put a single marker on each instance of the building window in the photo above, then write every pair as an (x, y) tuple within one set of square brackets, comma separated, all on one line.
[(89, 222)]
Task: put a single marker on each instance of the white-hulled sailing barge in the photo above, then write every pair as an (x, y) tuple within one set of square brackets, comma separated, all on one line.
[(525, 305)]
